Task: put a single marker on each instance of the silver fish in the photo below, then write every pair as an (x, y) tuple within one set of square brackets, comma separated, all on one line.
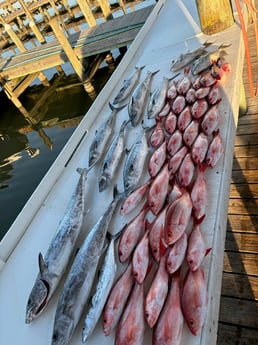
[(112, 159), (54, 264), (158, 99), (138, 99), (135, 162), (128, 86), (206, 60), (102, 137), (103, 287), (78, 284), (186, 58)]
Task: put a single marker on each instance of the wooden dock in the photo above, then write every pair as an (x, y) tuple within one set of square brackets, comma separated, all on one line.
[(18, 71), (238, 318)]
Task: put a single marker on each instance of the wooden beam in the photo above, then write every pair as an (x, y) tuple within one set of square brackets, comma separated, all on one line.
[(63, 40), (105, 8), (85, 8), (215, 15), (16, 40)]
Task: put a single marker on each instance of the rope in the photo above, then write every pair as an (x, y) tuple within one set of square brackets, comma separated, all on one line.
[(253, 12)]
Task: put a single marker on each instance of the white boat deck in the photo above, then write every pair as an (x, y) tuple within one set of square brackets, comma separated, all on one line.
[(171, 29)]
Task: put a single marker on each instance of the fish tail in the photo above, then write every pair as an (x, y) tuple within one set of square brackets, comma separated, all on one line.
[(113, 108), (114, 237)]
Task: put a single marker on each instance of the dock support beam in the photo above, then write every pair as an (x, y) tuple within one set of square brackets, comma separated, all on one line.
[(85, 8)]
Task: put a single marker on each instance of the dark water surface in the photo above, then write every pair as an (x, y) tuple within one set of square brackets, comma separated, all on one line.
[(26, 153)]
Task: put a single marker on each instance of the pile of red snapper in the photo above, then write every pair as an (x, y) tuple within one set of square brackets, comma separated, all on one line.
[(185, 142)]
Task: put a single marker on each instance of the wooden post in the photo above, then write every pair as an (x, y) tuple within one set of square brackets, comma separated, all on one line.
[(85, 8), (16, 40), (215, 15), (77, 65), (32, 24), (105, 8)]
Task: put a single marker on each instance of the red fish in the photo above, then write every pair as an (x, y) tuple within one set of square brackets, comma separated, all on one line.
[(215, 150), (158, 190), (165, 110), (202, 92), (175, 142), (140, 260), (170, 123), (196, 82), (199, 193), (190, 96), (207, 79), (176, 160), (117, 300), (210, 121), (134, 198), (184, 85), (157, 233), (157, 136), (174, 194), (191, 133), (197, 249), (178, 104), (184, 118), (157, 293), (172, 91), (176, 254), (131, 327), (169, 328), (199, 148), (186, 171), (177, 218), (199, 108), (131, 234), (157, 160), (214, 96), (194, 300)]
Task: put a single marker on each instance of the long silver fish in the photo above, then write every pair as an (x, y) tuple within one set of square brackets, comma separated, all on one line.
[(54, 264), (102, 137), (78, 284), (128, 86), (186, 58), (158, 98), (103, 287), (134, 163), (138, 99), (112, 159), (206, 60)]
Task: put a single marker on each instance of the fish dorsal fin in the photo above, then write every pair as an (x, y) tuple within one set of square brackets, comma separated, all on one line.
[(42, 264)]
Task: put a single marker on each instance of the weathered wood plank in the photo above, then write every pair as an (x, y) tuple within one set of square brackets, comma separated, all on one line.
[(244, 191), (245, 163), (247, 130), (236, 335), (239, 312), (240, 286), (243, 206), (242, 242), (241, 263), (243, 223), (246, 151), (244, 176)]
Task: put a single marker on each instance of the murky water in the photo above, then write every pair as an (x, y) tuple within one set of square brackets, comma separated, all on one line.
[(26, 153)]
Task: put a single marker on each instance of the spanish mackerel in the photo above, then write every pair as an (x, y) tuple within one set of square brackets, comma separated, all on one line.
[(105, 282), (102, 137), (53, 265), (112, 159), (78, 284), (138, 99), (128, 86), (186, 58), (134, 163), (158, 99)]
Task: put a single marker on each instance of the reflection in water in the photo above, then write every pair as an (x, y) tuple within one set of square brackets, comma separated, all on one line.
[(28, 146)]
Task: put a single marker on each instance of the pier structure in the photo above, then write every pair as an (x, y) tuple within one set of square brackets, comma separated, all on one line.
[(84, 49)]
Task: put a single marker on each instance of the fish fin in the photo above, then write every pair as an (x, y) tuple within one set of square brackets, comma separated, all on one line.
[(113, 108), (42, 264)]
